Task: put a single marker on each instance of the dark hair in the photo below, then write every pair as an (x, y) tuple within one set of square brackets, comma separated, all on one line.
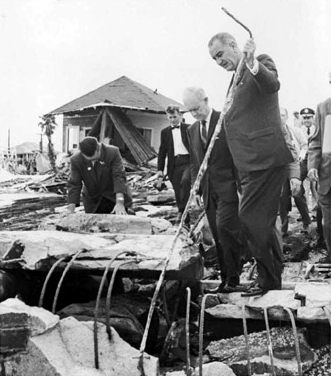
[(171, 109), (88, 146)]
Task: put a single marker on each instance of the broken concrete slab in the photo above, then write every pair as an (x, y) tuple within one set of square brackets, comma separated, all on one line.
[(233, 352), (95, 223), (317, 294), (68, 350), (210, 369), (39, 320), (274, 300), (40, 249)]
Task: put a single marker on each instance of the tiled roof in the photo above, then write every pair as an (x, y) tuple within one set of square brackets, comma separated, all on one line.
[(122, 92)]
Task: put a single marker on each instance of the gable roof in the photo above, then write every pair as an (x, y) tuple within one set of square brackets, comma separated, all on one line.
[(123, 93)]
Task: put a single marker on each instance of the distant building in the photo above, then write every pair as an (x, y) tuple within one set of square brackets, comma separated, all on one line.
[(122, 113)]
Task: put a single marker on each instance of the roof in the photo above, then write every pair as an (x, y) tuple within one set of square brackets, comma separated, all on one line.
[(123, 93), (26, 148)]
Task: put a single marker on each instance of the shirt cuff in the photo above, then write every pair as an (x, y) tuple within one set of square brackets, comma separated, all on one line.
[(255, 69)]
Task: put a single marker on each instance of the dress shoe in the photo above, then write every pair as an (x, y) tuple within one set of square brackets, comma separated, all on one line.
[(255, 291), (324, 260)]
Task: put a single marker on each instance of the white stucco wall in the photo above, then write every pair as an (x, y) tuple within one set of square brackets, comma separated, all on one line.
[(155, 122)]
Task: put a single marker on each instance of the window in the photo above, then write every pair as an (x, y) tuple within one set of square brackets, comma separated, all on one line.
[(147, 135)]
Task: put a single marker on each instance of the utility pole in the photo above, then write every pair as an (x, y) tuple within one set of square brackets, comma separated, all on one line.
[(8, 151)]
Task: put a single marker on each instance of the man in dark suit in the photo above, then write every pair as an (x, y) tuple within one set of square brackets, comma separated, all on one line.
[(97, 169), (257, 145), (218, 188), (319, 167), (174, 146)]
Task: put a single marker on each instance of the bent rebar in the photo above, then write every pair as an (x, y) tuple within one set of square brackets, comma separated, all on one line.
[(49, 274), (96, 310), (296, 340), (271, 355), (249, 366), (109, 291), (62, 278)]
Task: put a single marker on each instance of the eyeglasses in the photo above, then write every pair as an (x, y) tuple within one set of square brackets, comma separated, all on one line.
[(307, 117)]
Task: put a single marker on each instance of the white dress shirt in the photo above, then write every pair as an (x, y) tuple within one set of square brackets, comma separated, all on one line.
[(179, 147)]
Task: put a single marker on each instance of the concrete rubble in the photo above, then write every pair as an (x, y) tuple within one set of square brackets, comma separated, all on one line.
[(233, 352), (66, 347)]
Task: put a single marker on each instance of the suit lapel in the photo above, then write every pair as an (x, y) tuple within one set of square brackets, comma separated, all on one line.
[(213, 121)]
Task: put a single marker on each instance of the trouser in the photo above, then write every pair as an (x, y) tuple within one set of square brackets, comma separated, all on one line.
[(230, 241), (181, 181), (325, 204), (258, 210)]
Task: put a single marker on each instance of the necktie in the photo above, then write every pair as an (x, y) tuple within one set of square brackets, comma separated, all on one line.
[(308, 131), (204, 132)]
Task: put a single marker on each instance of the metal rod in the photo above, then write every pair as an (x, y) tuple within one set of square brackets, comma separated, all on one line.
[(201, 324), (249, 366), (187, 331), (96, 310), (50, 272), (271, 355), (296, 340), (239, 22), (109, 292), (57, 292)]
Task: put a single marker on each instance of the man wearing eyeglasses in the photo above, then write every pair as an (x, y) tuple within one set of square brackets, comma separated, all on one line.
[(218, 188), (319, 167), (174, 147)]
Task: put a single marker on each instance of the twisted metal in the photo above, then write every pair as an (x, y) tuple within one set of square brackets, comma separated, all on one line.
[(65, 271), (249, 366), (201, 323), (187, 332), (49, 274), (96, 310), (109, 291), (296, 340), (271, 355)]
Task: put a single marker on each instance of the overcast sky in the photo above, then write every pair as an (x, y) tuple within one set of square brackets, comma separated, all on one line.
[(53, 51)]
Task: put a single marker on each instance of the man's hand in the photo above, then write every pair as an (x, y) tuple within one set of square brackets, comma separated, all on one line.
[(70, 208), (119, 209), (249, 50), (197, 201), (295, 186), (313, 174)]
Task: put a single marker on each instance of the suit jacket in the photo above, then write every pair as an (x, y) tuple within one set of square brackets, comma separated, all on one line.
[(219, 175), (322, 162), (104, 179), (253, 124), (167, 148)]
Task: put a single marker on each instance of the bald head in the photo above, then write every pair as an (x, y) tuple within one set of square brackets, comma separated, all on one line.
[(196, 101)]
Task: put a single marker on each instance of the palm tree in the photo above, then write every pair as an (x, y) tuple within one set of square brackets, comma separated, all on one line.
[(47, 126)]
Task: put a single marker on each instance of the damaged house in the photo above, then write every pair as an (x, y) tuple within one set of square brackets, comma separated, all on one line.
[(123, 113)]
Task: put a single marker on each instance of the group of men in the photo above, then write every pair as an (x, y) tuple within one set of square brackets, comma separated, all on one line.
[(247, 168)]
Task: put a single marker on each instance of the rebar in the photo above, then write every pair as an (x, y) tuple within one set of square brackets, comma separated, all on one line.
[(271, 355), (49, 274), (249, 366), (201, 327), (57, 292), (187, 331), (109, 291), (96, 310), (296, 340)]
